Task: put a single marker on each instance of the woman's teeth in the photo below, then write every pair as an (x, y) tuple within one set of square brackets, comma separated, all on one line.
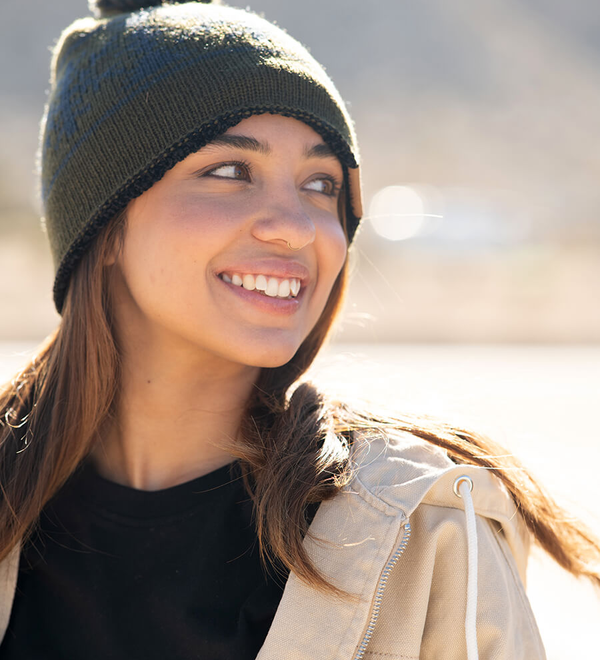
[(270, 286)]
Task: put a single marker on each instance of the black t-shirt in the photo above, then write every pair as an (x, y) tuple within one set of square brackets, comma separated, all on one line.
[(123, 574)]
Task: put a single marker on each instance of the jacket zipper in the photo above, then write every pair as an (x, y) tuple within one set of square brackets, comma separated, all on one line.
[(380, 589)]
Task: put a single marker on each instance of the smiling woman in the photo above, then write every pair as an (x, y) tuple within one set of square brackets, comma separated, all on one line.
[(171, 488)]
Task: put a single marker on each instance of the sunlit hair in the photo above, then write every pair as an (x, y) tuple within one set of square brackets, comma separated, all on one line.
[(295, 448)]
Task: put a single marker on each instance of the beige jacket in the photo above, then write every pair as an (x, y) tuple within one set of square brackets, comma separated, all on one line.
[(411, 587), (396, 538)]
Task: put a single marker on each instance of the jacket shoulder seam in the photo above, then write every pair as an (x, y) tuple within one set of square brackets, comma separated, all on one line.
[(374, 500)]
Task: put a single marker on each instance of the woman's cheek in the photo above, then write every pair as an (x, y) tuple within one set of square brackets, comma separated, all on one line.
[(338, 247)]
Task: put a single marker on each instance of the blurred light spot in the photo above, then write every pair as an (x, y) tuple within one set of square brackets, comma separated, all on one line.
[(397, 213)]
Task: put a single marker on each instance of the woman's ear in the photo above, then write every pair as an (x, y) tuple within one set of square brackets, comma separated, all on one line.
[(111, 257)]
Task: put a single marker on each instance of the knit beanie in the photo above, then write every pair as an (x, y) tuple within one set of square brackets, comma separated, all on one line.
[(143, 84)]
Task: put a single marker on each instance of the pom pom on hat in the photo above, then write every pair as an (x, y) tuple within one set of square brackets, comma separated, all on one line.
[(107, 8)]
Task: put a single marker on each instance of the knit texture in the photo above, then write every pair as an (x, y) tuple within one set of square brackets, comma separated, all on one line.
[(132, 94)]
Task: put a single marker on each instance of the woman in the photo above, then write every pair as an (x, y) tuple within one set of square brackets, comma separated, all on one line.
[(170, 487)]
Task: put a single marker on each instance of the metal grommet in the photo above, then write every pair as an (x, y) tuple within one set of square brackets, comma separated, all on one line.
[(459, 481)]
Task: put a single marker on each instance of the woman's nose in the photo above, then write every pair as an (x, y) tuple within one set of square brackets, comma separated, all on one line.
[(283, 219)]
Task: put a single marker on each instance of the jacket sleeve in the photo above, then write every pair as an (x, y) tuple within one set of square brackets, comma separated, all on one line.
[(424, 604)]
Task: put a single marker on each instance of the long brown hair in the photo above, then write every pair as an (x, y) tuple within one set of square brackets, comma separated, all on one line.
[(295, 449)]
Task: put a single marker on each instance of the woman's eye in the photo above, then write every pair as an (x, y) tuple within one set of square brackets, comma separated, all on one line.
[(234, 171), (326, 185), (241, 171)]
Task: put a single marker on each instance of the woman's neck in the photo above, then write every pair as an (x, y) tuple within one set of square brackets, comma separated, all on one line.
[(174, 420)]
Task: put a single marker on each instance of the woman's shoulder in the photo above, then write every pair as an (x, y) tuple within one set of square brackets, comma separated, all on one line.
[(404, 470), (396, 536), (407, 476)]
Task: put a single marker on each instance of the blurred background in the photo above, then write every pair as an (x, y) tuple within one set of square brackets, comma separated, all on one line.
[(475, 272)]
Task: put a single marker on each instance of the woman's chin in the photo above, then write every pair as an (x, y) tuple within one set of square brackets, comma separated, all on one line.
[(272, 362), (271, 357)]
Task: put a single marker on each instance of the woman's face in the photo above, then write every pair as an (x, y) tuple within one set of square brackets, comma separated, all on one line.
[(225, 214)]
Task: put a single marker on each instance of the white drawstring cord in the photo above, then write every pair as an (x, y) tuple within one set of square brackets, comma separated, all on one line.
[(462, 488)]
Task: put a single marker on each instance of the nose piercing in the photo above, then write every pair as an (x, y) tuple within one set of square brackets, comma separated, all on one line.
[(293, 248)]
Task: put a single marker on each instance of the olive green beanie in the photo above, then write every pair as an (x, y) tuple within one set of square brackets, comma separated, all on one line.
[(140, 86)]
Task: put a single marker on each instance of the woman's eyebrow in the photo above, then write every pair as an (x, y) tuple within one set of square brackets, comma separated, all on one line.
[(248, 143)]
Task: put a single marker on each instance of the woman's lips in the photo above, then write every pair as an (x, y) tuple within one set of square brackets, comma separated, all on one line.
[(280, 268), (260, 301), (273, 287)]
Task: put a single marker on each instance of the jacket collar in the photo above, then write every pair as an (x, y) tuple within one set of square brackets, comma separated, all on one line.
[(343, 545)]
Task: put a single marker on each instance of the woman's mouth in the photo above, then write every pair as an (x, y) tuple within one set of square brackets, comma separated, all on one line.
[(267, 285)]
